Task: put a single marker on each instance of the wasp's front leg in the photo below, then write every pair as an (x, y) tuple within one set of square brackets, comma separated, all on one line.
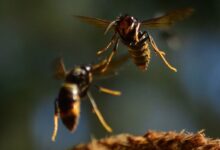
[(99, 52), (161, 54), (111, 55)]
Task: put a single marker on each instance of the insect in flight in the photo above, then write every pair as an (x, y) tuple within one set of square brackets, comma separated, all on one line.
[(76, 86), (127, 29)]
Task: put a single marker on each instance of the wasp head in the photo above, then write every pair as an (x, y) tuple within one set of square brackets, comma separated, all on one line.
[(125, 24)]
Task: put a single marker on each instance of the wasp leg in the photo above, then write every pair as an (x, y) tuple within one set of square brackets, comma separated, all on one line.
[(98, 113), (109, 59), (136, 33), (99, 52), (98, 67), (53, 137), (143, 37), (161, 54), (109, 91)]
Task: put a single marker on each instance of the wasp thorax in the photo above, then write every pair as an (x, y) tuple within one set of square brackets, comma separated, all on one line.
[(79, 74)]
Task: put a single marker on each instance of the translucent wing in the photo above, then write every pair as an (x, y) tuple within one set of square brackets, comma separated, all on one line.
[(112, 68), (60, 70), (168, 19), (94, 21)]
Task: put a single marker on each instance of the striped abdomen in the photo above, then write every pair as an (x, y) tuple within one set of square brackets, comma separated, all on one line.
[(69, 106), (140, 54)]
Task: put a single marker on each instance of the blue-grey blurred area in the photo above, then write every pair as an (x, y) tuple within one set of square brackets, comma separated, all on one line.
[(34, 33)]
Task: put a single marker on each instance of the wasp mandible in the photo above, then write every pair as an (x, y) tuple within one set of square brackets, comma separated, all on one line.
[(75, 87), (127, 29)]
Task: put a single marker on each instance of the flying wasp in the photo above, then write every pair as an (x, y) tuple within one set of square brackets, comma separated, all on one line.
[(127, 29), (77, 82)]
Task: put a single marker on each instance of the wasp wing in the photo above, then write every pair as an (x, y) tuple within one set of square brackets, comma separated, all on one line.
[(94, 21), (112, 68), (168, 19), (59, 67)]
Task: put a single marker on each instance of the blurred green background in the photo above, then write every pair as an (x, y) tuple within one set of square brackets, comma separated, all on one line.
[(33, 33)]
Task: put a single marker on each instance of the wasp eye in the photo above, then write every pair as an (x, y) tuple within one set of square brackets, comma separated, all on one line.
[(88, 68)]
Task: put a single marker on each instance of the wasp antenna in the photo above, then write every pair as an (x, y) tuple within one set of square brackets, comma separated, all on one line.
[(109, 27), (98, 113)]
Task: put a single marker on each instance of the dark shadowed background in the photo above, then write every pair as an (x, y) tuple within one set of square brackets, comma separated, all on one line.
[(33, 33)]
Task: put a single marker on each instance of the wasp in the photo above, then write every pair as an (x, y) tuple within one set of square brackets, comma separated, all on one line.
[(128, 30), (77, 82)]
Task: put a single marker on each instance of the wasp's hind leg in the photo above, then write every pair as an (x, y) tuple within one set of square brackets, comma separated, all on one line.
[(55, 122), (109, 59), (99, 52), (98, 113), (160, 53)]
